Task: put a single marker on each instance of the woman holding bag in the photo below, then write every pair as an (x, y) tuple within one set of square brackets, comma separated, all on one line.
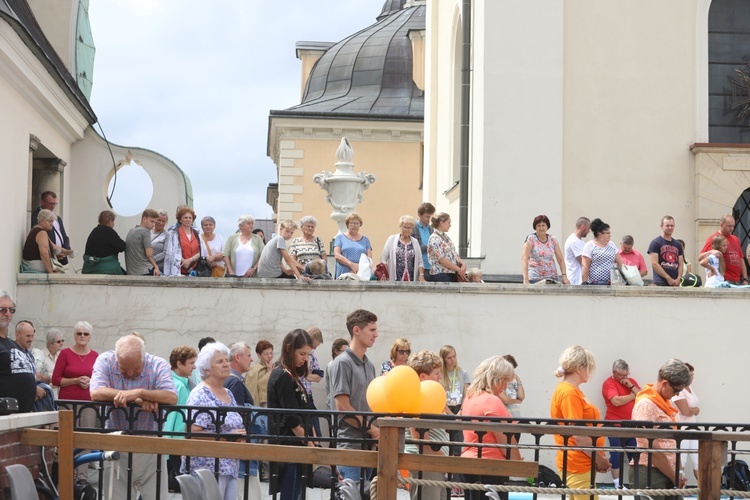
[(212, 246), (445, 264), (402, 253), (350, 246)]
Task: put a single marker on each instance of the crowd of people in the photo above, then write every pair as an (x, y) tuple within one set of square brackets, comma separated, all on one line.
[(420, 251), (599, 261), (219, 375)]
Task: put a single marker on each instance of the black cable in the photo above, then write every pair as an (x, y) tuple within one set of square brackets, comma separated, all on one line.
[(111, 154)]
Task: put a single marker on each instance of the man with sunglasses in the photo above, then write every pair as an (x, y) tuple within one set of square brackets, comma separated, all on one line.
[(652, 404), (17, 374)]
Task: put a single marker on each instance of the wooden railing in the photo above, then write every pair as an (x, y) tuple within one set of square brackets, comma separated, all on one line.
[(388, 458)]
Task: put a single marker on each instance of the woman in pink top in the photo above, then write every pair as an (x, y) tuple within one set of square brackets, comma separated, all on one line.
[(482, 400), (72, 374)]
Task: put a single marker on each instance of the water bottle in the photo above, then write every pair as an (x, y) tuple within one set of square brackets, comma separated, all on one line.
[(615, 278)]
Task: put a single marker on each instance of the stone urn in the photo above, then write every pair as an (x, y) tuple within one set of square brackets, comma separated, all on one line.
[(343, 186)]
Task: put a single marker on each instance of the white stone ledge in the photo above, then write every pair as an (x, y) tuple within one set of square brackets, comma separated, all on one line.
[(25, 420), (380, 287)]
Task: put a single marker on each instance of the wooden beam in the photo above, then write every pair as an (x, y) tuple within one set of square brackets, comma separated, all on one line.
[(65, 454), (465, 465), (710, 454), (204, 448), (388, 445)]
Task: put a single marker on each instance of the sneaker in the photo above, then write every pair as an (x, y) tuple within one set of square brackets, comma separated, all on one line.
[(457, 493)]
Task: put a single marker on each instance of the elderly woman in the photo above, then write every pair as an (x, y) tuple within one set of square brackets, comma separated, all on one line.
[(213, 365), (256, 379), (212, 246), (445, 264), (688, 408), (72, 375), (599, 255), (38, 250), (482, 400), (102, 247), (570, 403), (274, 253), (652, 405), (307, 248), (540, 250), (350, 246), (286, 391), (242, 249), (159, 239), (46, 365), (400, 352), (183, 245), (402, 253)]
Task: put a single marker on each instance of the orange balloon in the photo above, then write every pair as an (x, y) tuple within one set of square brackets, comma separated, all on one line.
[(377, 397), (402, 389), (433, 397)]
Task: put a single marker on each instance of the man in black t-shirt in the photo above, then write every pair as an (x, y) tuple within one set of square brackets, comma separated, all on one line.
[(17, 379), (666, 254)]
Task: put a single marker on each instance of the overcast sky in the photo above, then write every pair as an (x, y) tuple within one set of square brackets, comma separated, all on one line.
[(195, 80)]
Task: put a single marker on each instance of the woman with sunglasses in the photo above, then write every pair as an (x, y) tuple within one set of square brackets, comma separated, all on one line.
[(72, 375), (400, 351)]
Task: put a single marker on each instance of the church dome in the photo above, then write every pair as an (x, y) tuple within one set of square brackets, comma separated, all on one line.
[(368, 74)]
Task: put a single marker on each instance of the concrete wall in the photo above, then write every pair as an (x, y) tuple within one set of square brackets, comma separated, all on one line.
[(644, 326)]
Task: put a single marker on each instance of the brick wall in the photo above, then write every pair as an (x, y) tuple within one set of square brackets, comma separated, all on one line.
[(13, 452)]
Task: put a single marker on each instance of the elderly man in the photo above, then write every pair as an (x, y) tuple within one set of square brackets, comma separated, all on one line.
[(736, 273), (631, 256), (619, 392), (17, 379), (667, 255), (574, 250), (57, 235), (25, 339), (652, 405), (240, 359), (130, 375)]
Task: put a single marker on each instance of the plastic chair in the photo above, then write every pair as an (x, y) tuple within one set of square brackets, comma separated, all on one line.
[(209, 486), (22, 485), (189, 487)]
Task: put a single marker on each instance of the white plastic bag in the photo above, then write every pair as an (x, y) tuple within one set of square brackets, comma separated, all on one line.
[(365, 267), (632, 275)]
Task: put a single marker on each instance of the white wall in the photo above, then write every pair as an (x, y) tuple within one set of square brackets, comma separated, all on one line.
[(644, 326)]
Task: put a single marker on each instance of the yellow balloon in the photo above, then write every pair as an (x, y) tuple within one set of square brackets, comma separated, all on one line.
[(402, 389), (433, 397), (377, 397)]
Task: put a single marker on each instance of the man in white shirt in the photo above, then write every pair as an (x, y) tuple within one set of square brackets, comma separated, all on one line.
[(574, 250)]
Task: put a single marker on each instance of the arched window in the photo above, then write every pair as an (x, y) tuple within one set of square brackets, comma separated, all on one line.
[(741, 214), (729, 71)]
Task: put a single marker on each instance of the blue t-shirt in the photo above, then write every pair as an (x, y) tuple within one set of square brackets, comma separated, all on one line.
[(351, 250), (424, 237)]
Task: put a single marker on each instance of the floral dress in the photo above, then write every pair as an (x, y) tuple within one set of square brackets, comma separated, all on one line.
[(438, 246), (542, 258), (405, 262), (202, 396)]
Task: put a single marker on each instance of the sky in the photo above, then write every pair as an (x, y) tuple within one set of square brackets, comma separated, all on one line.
[(195, 81)]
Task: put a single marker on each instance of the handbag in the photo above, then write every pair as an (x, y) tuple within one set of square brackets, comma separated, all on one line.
[(381, 272), (203, 268), (216, 271)]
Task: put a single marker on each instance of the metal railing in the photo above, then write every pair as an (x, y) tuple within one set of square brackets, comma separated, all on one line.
[(720, 443)]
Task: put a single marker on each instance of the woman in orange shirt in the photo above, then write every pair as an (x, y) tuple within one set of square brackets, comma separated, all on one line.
[(482, 400), (570, 403)]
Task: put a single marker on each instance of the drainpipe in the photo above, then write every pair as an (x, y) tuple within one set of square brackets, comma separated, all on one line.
[(463, 196)]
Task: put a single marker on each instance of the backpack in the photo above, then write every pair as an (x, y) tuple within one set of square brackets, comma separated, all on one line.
[(691, 280), (548, 478), (736, 476)]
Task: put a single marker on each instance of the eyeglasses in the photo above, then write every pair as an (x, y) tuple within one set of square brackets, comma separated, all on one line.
[(674, 389), (85, 334), (6, 310), (60, 341), (403, 352)]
